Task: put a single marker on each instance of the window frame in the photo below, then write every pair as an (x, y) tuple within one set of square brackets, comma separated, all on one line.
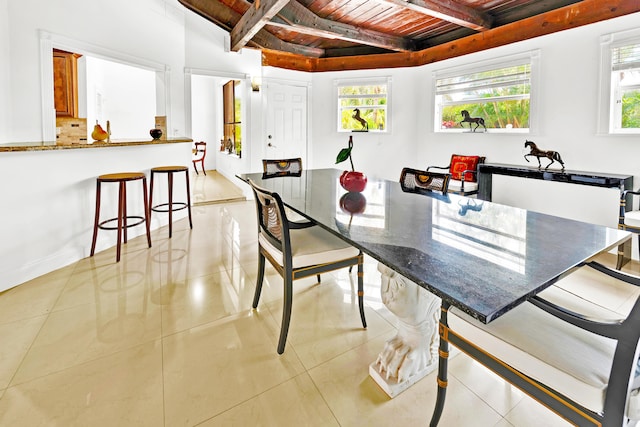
[(232, 94), (338, 83), (609, 116), (530, 57)]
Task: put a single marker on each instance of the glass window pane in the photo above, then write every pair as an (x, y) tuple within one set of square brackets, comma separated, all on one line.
[(625, 89), (500, 97), (370, 100), (513, 114), (631, 109)]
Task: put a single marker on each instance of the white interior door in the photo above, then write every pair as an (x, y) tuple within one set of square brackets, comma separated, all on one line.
[(286, 124)]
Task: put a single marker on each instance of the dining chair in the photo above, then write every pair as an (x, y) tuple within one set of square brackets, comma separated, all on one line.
[(630, 220), (274, 168), (570, 353), (199, 153), (464, 173), (281, 167), (417, 181), (297, 251)]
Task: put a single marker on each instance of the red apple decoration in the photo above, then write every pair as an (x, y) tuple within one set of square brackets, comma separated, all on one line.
[(353, 181), (353, 203)]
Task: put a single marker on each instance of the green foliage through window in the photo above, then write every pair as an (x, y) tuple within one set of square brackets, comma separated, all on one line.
[(631, 109), (500, 96)]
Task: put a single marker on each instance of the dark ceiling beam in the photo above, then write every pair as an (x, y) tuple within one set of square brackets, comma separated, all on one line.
[(449, 11), (572, 16), (266, 40), (258, 14), (298, 18), (213, 11), (228, 19)]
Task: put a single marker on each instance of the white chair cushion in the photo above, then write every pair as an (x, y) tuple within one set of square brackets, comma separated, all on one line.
[(455, 185), (294, 216), (312, 246), (566, 358), (632, 218)]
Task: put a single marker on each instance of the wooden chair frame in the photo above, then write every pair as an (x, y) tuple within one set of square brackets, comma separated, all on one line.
[(201, 147), (264, 199), (625, 332)]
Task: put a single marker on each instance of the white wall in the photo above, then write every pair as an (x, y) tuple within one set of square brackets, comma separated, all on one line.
[(151, 30), (568, 96), (5, 86), (47, 209), (376, 154), (49, 203), (205, 54), (205, 115), (123, 95)]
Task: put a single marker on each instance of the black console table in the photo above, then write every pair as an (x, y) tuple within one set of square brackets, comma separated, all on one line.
[(594, 179)]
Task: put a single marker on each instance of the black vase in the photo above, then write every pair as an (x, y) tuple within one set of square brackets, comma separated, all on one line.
[(155, 133)]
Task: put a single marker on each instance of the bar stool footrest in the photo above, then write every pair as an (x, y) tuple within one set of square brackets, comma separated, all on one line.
[(115, 227), (176, 207)]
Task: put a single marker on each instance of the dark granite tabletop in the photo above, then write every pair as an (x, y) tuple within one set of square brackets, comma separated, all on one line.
[(482, 257)]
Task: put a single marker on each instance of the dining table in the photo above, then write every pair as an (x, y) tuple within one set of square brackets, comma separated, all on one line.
[(482, 257)]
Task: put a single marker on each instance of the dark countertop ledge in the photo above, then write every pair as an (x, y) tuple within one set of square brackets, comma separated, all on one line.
[(52, 145)]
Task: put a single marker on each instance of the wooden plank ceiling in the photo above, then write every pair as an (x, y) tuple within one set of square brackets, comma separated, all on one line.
[(324, 35)]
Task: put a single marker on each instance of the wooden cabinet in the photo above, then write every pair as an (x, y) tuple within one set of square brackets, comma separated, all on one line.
[(65, 83)]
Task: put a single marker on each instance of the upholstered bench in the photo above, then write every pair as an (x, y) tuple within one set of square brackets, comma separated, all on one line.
[(571, 354)]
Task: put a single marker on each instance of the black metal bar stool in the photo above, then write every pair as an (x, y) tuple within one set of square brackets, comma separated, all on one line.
[(122, 218), (171, 206)]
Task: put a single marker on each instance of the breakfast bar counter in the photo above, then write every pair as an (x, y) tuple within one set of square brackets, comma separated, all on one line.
[(48, 199), (53, 145)]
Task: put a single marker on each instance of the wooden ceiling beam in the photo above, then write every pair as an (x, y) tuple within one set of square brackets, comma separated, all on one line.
[(258, 14), (266, 40), (263, 39), (288, 61), (449, 11), (213, 11), (298, 18), (572, 16)]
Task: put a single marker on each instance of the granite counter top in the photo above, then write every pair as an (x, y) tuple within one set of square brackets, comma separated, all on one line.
[(52, 145)]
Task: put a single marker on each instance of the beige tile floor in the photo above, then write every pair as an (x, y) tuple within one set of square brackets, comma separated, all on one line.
[(213, 188), (167, 337)]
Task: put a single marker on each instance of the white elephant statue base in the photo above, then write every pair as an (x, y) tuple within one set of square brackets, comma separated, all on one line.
[(413, 352)]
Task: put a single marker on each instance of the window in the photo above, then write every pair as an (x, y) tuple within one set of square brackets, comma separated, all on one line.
[(621, 76), (131, 90), (232, 114), (497, 92), (363, 105)]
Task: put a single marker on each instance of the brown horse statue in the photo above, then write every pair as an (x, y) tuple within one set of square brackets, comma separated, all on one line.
[(362, 121), (479, 121), (537, 153)]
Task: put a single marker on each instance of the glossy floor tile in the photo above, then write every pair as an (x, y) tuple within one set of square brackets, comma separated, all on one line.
[(167, 337), (213, 188)]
